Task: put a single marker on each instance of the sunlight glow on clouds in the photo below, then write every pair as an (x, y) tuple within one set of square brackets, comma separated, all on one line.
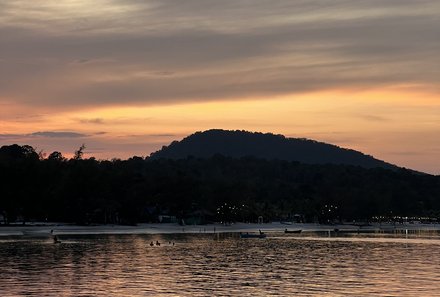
[(361, 74)]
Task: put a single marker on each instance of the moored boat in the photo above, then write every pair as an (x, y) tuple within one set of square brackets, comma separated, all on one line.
[(250, 235)]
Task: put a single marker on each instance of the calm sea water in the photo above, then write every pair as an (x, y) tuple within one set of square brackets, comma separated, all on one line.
[(214, 265)]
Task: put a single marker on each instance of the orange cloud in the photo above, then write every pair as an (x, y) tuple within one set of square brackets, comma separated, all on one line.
[(399, 127)]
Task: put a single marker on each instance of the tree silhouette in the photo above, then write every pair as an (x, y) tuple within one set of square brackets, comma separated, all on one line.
[(79, 153), (56, 156)]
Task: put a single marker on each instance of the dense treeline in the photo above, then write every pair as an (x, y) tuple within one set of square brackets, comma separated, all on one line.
[(219, 188)]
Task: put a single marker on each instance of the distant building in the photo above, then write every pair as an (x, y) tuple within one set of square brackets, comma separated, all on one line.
[(167, 219)]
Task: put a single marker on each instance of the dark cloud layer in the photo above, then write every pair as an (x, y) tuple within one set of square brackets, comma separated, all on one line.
[(58, 134), (154, 52), (44, 134)]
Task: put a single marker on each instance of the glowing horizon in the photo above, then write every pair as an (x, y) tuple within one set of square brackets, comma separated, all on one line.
[(127, 77)]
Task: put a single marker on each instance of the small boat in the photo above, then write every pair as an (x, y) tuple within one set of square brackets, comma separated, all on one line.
[(293, 231), (247, 235)]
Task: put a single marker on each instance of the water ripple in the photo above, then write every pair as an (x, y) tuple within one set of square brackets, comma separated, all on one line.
[(207, 265)]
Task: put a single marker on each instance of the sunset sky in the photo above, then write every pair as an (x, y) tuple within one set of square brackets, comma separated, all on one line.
[(128, 76)]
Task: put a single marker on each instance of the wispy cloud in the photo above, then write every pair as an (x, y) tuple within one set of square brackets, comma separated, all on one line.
[(374, 118), (11, 136), (91, 121), (58, 134), (45, 134), (156, 52)]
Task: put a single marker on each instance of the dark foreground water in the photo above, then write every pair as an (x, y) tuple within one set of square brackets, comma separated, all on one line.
[(208, 265)]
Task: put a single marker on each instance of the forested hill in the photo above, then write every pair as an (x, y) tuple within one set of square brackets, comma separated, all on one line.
[(237, 144)]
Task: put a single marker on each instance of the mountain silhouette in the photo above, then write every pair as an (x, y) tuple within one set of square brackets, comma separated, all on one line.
[(237, 144)]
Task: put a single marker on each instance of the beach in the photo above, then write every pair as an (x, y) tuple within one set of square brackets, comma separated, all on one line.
[(45, 229)]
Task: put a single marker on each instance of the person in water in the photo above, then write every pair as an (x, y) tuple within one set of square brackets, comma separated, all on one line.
[(151, 244), (54, 237), (157, 243)]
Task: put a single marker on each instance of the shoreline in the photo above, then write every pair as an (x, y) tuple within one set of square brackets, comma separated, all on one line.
[(276, 227)]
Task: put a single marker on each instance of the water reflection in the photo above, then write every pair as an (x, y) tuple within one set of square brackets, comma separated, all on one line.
[(222, 265)]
